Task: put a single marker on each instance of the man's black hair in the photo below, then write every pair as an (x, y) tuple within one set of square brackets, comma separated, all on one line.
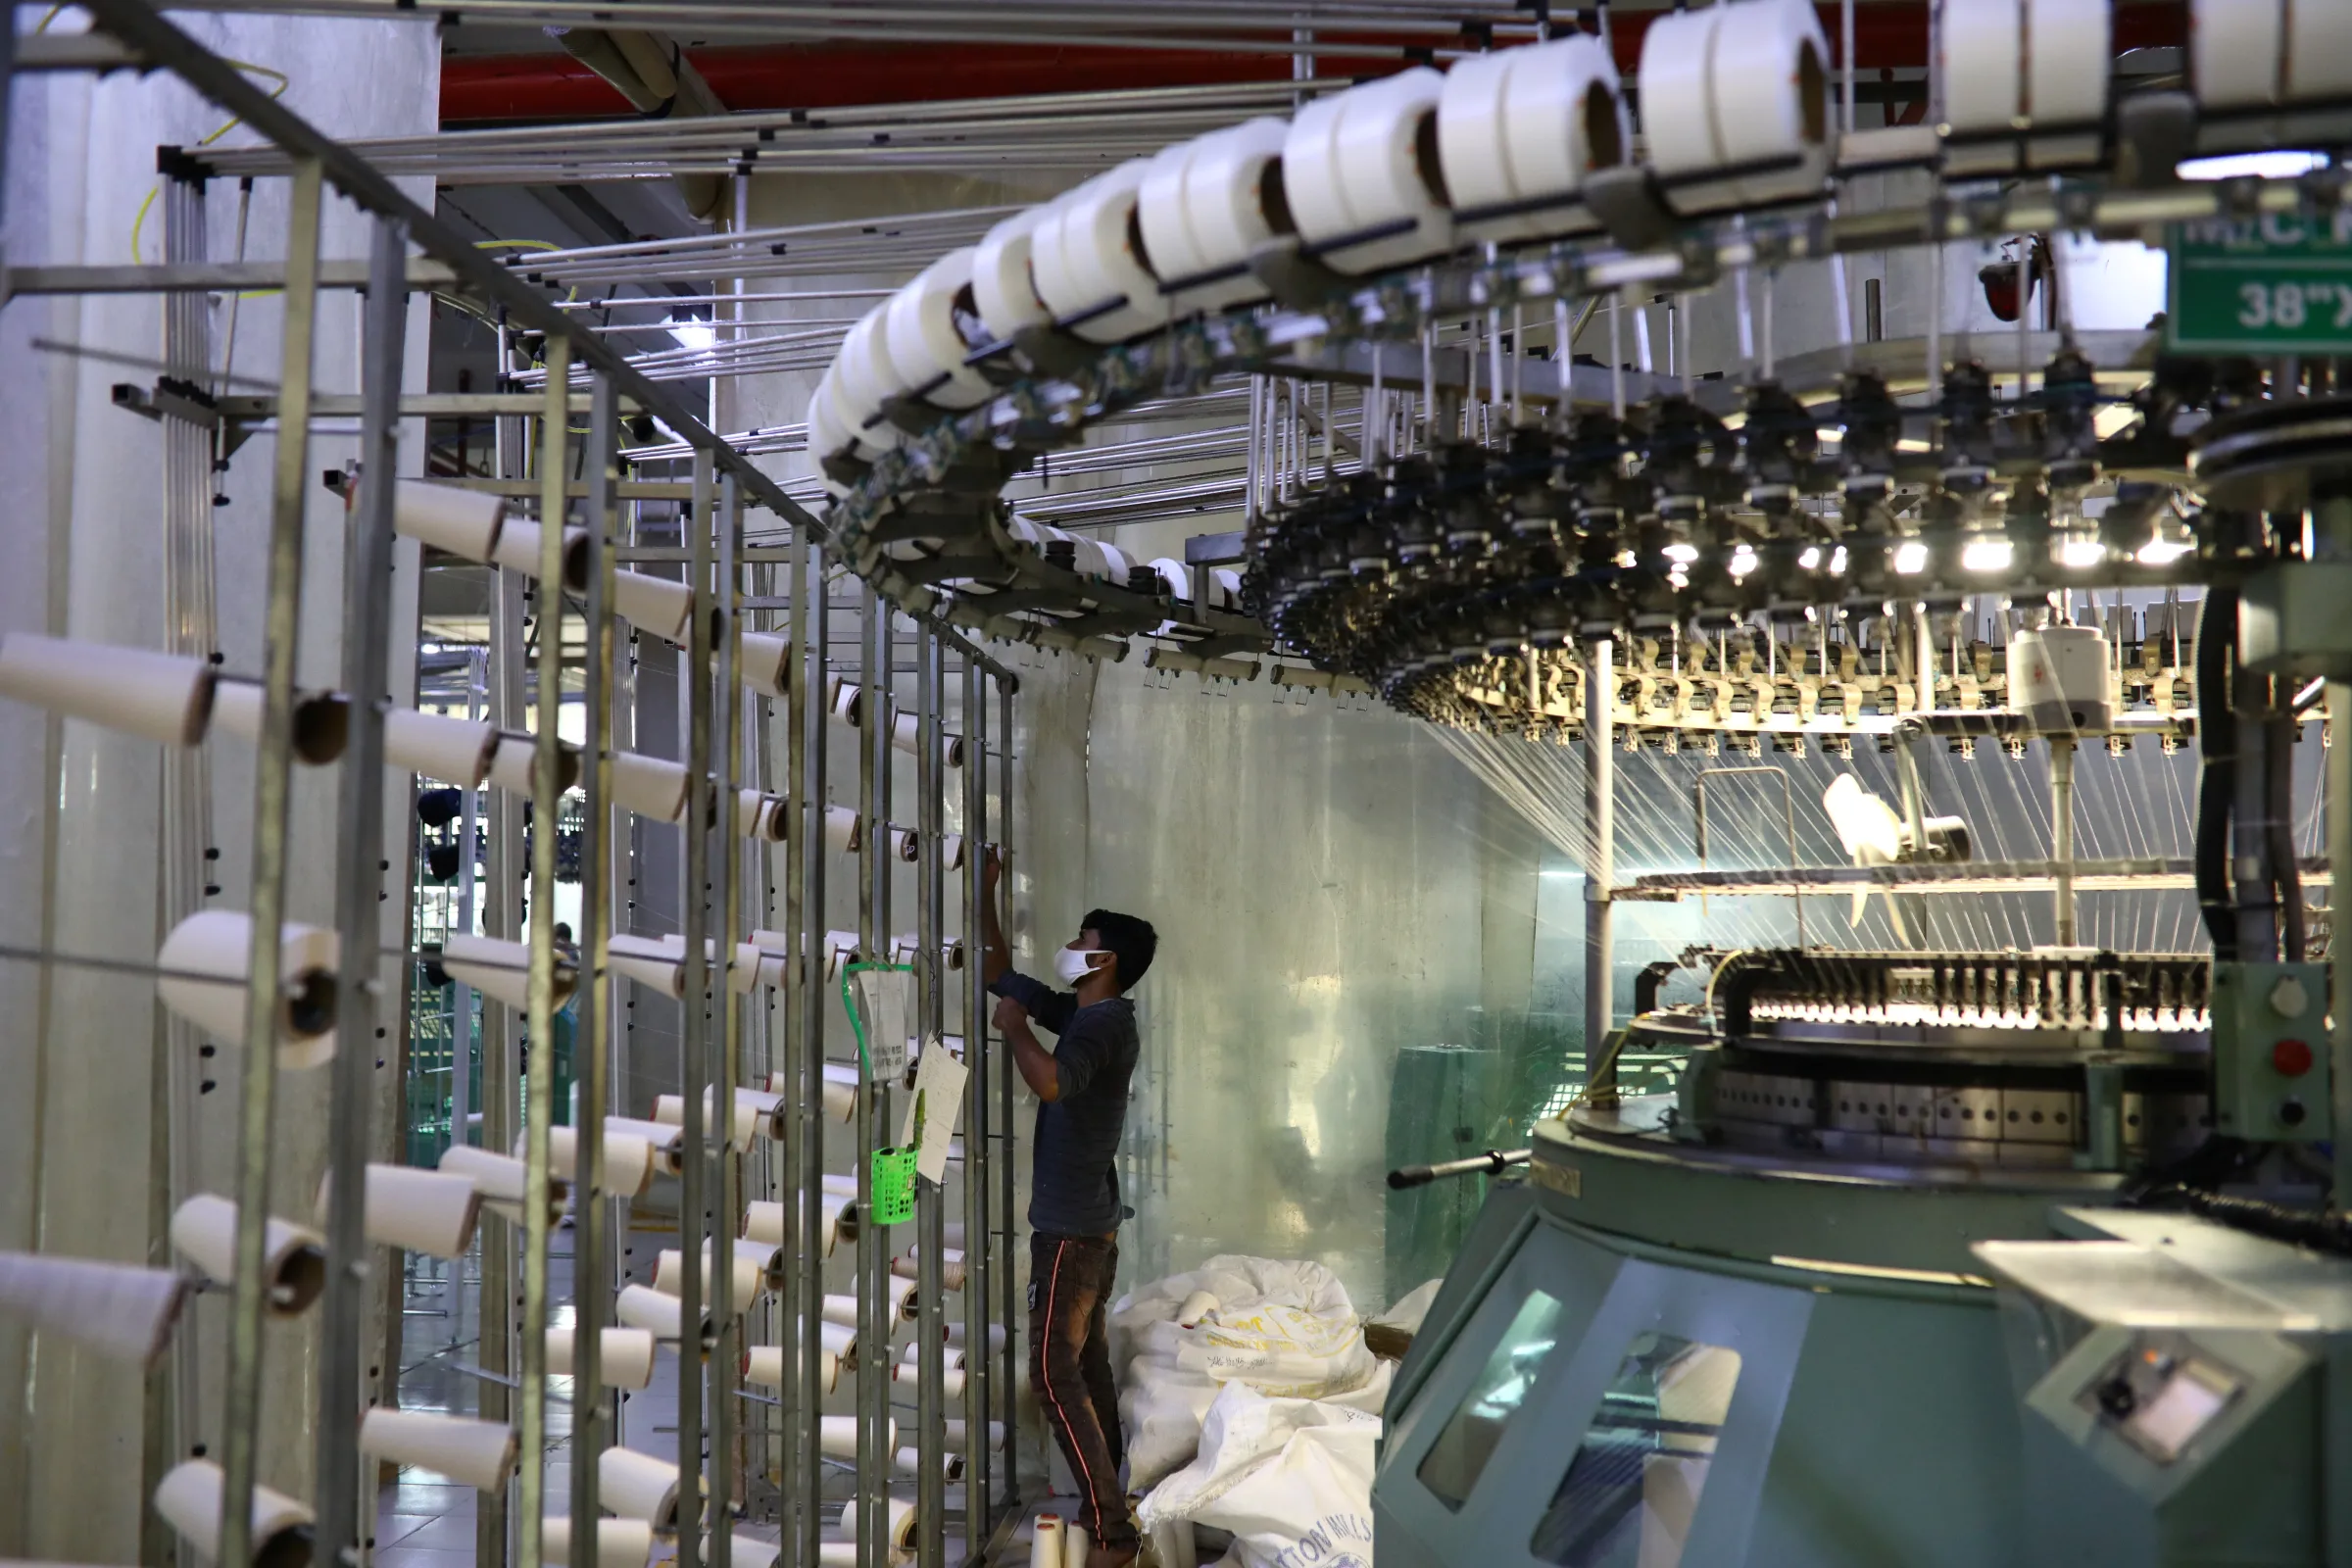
[(1131, 940)]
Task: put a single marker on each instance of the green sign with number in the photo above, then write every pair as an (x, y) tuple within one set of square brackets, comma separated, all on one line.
[(2276, 284)]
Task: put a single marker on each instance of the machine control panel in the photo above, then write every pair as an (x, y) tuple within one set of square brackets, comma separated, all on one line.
[(2270, 1051), (2161, 1393)]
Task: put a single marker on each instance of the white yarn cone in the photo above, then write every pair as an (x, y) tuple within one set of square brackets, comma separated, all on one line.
[(427, 1212), (499, 1178), (842, 830), (1045, 1541), (649, 961), (905, 844), (742, 1552), (293, 1258), (668, 1141), (620, 1542), (951, 1270), (455, 751), (751, 1278), (515, 763), (909, 1462), (217, 944), (840, 948), (837, 1555), (452, 517), (958, 1434), (638, 1486), (958, 1337), (1074, 1545), (116, 1310), (764, 1365), (951, 1379), (754, 815), (840, 1183), (321, 720), (189, 1499), (657, 605), (1196, 1306), (951, 850), (502, 969), (1173, 1545), (473, 1453), (163, 698), (518, 549), (624, 1357), (838, 1436), (628, 1159), (849, 703), (767, 664), (650, 786), (641, 1307), (765, 1222), (900, 1513)]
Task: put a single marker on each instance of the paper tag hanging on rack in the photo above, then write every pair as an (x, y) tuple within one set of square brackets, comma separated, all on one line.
[(932, 1110), (888, 997)]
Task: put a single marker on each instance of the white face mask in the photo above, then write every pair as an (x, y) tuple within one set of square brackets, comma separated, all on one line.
[(1074, 964)]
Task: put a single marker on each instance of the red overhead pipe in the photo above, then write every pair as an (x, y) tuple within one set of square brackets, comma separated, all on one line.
[(477, 89)]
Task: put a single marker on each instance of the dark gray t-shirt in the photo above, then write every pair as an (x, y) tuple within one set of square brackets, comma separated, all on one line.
[(1073, 1184)]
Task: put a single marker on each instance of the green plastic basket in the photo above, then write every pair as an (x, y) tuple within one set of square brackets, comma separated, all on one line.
[(893, 1186)]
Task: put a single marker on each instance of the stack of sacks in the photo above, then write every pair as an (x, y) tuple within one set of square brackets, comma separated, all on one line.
[(1287, 1330)]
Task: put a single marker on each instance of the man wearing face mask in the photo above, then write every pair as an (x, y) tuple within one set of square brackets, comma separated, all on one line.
[(1074, 1202)]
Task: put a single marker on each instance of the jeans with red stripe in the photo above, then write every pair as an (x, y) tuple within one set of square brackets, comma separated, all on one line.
[(1069, 1366)]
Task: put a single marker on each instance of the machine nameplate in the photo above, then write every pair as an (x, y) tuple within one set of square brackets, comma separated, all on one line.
[(2277, 285), (1565, 1180)]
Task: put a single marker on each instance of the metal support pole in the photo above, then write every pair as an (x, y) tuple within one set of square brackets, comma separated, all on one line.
[(289, 498), (2062, 837), (804, 926), (592, 1215), (724, 673), (980, 1132), (344, 1505), (694, 1034), (539, 1087), (874, 1454), (1600, 807), (1008, 1285), (930, 762)]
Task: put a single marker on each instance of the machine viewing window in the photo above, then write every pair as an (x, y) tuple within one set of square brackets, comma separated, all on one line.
[(1633, 1489), (1456, 1460)]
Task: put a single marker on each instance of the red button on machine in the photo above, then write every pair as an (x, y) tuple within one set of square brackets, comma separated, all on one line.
[(2293, 1058)]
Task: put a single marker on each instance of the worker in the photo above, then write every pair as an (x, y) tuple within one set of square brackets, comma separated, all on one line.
[(1074, 1202)]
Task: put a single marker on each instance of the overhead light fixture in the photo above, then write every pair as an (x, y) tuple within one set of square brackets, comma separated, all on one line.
[(1910, 557), (1838, 562), (1682, 554), (1811, 558), (2163, 552), (1978, 555), (2080, 551), (1744, 561), (2258, 166)]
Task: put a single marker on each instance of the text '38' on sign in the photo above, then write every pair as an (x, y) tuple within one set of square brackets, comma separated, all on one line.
[(2276, 284)]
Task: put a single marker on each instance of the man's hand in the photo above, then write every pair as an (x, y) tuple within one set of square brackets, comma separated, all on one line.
[(1008, 1013), (991, 869)]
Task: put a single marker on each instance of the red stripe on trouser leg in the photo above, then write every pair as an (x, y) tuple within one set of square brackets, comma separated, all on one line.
[(1065, 1290)]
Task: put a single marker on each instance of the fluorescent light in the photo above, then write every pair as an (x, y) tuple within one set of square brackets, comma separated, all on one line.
[(2081, 553), (1978, 555), (2261, 166), (2163, 552), (1838, 562), (1910, 557), (1811, 558), (1744, 561), (1682, 554)]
